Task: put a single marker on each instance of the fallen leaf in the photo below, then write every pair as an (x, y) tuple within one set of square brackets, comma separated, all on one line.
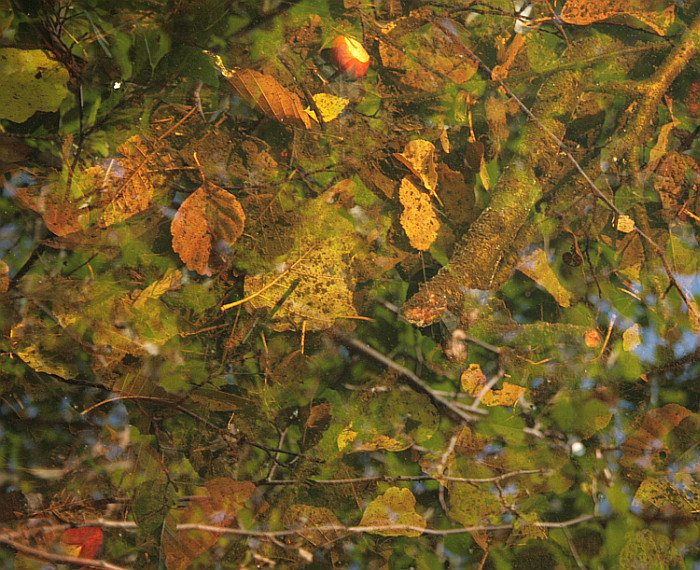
[(632, 338), (209, 219), (30, 81), (329, 105), (266, 93), (418, 218), (536, 267), (418, 157)]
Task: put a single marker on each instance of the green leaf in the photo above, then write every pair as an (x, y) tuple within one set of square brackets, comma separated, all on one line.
[(30, 82)]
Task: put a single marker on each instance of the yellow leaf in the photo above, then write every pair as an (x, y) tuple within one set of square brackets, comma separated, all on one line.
[(418, 157), (473, 381), (346, 437), (484, 175), (537, 268), (625, 224), (631, 338), (170, 281), (418, 218), (329, 105), (396, 507)]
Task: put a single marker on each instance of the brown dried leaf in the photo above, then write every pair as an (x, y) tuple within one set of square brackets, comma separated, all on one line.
[(273, 99), (307, 518), (220, 505), (208, 217), (61, 216), (418, 218), (648, 446), (583, 12), (130, 183)]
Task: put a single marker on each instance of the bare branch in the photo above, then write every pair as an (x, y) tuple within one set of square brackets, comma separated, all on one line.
[(403, 478), (376, 528), (417, 382)]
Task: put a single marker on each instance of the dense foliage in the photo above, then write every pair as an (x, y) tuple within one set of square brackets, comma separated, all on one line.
[(265, 307)]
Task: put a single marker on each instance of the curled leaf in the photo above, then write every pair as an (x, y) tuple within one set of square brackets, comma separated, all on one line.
[(418, 157)]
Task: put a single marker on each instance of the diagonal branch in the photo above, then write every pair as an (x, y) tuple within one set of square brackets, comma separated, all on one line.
[(658, 85)]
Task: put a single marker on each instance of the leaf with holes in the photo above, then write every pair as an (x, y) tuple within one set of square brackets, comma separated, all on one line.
[(418, 218)]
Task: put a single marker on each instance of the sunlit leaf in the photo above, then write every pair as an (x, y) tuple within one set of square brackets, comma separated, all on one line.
[(29, 82), (329, 105), (646, 548), (418, 218), (82, 542), (536, 266), (418, 157), (4, 276), (632, 337), (473, 381), (395, 507), (322, 297)]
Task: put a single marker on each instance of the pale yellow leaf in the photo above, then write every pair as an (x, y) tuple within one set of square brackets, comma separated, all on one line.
[(329, 105), (537, 268), (632, 338)]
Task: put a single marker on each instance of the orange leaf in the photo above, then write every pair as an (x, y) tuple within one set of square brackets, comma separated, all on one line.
[(273, 99), (219, 506), (86, 540), (211, 217)]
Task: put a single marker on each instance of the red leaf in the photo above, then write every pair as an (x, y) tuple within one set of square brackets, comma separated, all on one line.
[(87, 538)]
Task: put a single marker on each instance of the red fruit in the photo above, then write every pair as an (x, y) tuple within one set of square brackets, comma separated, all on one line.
[(349, 57), (85, 540)]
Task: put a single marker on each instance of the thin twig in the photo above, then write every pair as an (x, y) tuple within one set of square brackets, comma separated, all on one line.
[(376, 528), (57, 558), (420, 384), (404, 478)]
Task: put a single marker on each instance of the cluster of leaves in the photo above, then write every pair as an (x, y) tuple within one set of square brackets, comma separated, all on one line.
[(207, 230)]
